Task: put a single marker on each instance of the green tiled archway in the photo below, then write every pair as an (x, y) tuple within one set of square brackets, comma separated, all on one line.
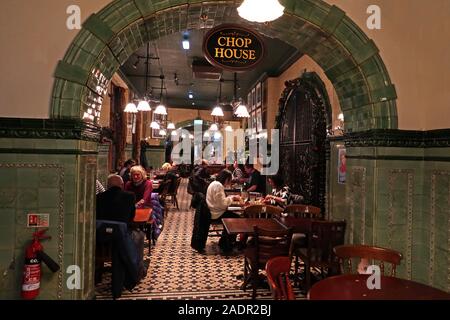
[(349, 58)]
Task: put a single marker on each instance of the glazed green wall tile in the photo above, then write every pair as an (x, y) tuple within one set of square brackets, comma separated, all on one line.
[(71, 72), (334, 17), (99, 28), (145, 7)]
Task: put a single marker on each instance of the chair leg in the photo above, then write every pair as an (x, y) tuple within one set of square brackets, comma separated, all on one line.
[(296, 275), (255, 282), (176, 202)]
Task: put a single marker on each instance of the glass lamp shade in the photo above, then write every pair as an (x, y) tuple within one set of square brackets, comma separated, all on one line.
[(229, 128), (260, 10), (341, 117), (191, 136), (130, 108), (242, 112), (143, 106), (162, 132), (171, 126), (206, 135), (217, 135), (214, 127), (161, 109), (217, 112), (154, 125)]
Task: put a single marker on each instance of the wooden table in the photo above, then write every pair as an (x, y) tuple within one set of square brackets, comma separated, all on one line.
[(245, 225), (142, 215), (354, 287)]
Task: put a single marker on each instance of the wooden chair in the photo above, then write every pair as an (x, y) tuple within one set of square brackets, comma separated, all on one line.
[(266, 244), (319, 254), (173, 191), (303, 211), (262, 211), (277, 271), (372, 253)]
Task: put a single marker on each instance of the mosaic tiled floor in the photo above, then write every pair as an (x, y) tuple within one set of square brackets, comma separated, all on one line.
[(176, 271)]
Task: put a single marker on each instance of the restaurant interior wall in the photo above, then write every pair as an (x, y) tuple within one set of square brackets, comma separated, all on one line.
[(50, 165)]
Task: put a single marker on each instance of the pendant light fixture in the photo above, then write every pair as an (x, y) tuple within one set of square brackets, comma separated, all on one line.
[(171, 126), (260, 10), (155, 125), (131, 108), (241, 109), (217, 111), (143, 104), (161, 108)]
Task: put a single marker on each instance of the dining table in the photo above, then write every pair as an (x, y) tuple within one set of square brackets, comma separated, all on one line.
[(355, 287), (246, 225)]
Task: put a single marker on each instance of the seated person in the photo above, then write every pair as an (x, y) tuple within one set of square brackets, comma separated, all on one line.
[(141, 187), (238, 173), (118, 205), (200, 178), (280, 192), (256, 182), (218, 204), (115, 204), (171, 176), (124, 172)]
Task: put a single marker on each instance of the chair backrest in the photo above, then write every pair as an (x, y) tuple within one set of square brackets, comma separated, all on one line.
[(262, 211), (271, 243), (277, 270), (345, 254), (303, 211), (322, 238)]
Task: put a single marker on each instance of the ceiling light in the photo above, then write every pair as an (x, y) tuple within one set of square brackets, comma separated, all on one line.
[(186, 44), (341, 117), (154, 125), (171, 126), (161, 109), (143, 106), (131, 108), (162, 132), (191, 95), (217, 112), (174, 133), (242, 112), (206, 135), (214, 127), (217, 135), (260, 10), (229, 128)]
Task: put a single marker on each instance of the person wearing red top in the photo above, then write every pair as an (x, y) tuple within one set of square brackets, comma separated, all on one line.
[(141, 187)]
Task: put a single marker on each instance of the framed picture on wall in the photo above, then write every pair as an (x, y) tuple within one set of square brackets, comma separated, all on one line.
[(254, 121), (258, 95), (342, 167), (155, 132), (253, 105), (250, 100), (265, 94), (259, 124)]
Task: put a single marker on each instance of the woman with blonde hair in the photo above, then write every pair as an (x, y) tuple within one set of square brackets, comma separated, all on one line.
[(140, 186)]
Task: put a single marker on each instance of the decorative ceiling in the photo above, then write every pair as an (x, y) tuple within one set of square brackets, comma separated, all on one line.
[(169, 59)]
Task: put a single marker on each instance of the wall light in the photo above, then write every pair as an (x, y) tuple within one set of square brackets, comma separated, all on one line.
[(260, 10), (186, 44)]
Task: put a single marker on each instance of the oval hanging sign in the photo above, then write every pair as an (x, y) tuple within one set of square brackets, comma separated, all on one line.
[(234, 48)]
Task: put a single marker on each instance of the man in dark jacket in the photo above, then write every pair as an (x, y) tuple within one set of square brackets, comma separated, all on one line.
[(115, 204)]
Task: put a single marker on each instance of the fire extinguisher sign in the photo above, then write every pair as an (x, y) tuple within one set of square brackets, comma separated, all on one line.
[(38, 220)]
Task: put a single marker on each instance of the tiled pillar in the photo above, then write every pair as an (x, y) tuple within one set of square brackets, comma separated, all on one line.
[(48, 167), (397, 195)]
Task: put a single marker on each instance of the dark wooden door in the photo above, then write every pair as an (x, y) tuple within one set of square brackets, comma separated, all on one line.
[(303, 130)]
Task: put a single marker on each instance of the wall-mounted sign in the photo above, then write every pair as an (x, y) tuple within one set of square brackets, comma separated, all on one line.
[(36, 220), (234, 48)]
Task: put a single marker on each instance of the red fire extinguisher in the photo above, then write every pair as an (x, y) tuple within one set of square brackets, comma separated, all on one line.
[(34, 254)]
